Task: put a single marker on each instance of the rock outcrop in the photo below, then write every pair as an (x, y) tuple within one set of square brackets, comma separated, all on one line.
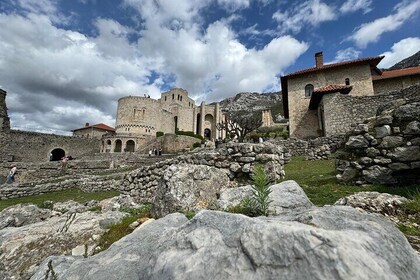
[(333, 242), (189, 187), (37, 233), (411, 61), (386, 149)]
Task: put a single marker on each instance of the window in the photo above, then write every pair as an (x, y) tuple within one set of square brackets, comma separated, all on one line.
[(165, 98), (347, 81), (309, 89)]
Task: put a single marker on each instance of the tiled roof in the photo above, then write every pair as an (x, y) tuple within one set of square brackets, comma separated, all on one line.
[(99, 125), (318, 93), (371, 60), (397, 73), (332, 88)]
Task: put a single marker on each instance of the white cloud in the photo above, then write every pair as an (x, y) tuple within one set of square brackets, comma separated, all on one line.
[(372, 31), (399, 51), (234, 5), (346, 54), (312, 13), (58, 79), (351, 6)]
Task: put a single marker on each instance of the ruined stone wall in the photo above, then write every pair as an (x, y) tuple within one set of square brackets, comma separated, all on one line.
[(386, 85), (303, 122), (4, 119), (342, 112), (238, 159), (386, 150), (36, 147), (172, 143)]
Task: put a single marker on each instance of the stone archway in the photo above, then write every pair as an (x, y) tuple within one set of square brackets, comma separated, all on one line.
[(207, 133), (118, 146), (57, 154), (130, 146)]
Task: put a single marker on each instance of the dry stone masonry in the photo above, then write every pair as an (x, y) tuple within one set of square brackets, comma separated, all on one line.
[(237, 159), (386, 149)]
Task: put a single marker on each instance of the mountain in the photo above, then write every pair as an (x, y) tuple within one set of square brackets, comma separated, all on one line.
[(411, 61), (253, 101)]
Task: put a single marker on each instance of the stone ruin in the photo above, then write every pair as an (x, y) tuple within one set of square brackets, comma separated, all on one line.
[(385, 149)]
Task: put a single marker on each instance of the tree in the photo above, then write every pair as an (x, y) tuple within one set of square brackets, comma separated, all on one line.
[(240, 123)]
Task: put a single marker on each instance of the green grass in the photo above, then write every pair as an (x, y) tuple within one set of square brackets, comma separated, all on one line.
[(65, 195), (317, 179), (118, 231)]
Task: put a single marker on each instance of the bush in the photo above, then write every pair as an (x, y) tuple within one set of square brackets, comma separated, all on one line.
[(257, 204), (159, 133), (189, 133), (196, 145)]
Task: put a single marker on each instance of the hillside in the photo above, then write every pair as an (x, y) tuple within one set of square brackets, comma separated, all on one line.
[(411, 61), (253, 101)]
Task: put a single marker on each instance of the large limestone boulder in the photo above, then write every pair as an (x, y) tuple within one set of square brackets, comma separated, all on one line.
[(22, 214), (285, 196), (189, 187), (117, 203), (24, 248), (334, 242)]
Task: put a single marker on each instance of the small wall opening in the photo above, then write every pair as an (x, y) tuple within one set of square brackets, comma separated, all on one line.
[(207, 133), (130, 146), (57, 154), (309, 89), (176, 123), (118, 145), (198, 124)]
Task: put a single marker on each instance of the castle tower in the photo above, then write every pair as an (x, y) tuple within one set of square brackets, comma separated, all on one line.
[(4, 118)]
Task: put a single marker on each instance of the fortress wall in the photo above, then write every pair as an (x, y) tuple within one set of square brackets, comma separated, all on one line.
[(36, 147), (342, 112)]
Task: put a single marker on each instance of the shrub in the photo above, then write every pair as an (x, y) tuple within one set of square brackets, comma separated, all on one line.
[(159, 133), (257, 204), (196, 145), (189, 133)]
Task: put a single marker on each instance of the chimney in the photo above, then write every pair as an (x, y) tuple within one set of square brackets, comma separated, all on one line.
[(319, 60), (86, 124)]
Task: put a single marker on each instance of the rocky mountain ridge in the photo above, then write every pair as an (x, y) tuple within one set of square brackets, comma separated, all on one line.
[(251, 101), (411, 61)]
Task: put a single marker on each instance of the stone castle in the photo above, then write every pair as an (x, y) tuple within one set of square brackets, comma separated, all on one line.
[(139, 118)]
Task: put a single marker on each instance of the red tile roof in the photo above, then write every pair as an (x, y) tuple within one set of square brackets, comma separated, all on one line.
[(99, 125), (333, 88), (318, 93), (397, 73), (373, 61)]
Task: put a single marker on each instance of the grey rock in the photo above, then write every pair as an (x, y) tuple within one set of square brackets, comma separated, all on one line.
[(413, 128), (184, 185), (69, 206), (384, 119), (24, 248), (382, 131), (361, 128), (382, 160), (408, 112), (372, 152), (22, 214), (233, 196), (117, 203), (365, 160), (357, 142), (398, 166), (415, 141), (415, 165), (374, 202), (391, 142), (378, 174), (408, 153), (349, 174), (318, 243)]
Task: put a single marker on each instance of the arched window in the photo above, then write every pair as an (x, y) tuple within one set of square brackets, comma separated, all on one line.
[(309, 89), (347, 81)]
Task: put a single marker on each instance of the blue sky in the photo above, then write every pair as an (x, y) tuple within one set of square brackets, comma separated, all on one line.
[(67, 62)]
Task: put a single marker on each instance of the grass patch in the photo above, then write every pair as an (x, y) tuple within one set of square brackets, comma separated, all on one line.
[(118, 231), (317, 179), (60, 196)]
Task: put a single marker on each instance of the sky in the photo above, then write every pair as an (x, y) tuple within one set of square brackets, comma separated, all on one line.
[(64, 63)]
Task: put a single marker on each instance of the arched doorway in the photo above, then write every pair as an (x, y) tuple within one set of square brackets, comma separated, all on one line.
[(207, 133), (130, 146), (198, 124), (57, 154), (118, 145)]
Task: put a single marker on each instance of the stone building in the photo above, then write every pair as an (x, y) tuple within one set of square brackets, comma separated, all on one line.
[(139, 118), (305, 92), (93, 131), (4, 118)]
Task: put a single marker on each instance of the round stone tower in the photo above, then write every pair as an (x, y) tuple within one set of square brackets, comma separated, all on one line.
[(4, 118)]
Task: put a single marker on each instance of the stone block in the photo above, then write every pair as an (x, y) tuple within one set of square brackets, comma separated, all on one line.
[(391, 142), (357, 142), (382, 131), (408, 153), (413, 128), (398, 166)]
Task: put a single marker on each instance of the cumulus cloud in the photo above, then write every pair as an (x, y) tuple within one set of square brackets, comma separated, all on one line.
[(351, 6), (346, 54), (58, 78), (372, 31), (399, 51), (308, 13)]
